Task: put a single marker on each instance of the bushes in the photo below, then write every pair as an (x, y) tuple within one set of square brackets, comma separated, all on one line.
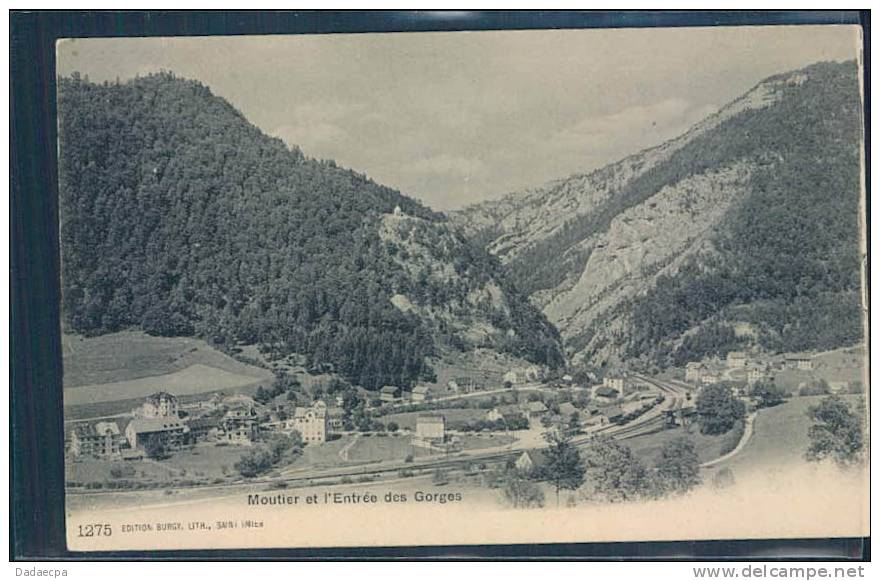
[(522, 493), (122, 471), (255, 462)]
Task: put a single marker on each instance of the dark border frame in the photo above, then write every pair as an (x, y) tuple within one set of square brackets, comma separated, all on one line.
[(37, 523)]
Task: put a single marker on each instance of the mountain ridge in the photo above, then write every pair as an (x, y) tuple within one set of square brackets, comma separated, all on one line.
[(569, 242), (181, 218)]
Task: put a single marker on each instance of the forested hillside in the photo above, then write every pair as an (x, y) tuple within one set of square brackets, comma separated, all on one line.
[(181, 218), (744, 231)]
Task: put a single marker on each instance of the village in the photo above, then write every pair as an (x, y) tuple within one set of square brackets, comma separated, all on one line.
[(353, 431)]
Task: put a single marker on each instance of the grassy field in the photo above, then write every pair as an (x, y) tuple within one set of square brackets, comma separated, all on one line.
[(194, 379), (324, 455), (841, 365), (780, 437), (648, 446), (131, 355), (376, 449), (202, 463)]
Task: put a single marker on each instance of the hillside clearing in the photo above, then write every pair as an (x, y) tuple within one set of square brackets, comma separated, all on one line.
[(128, 355), (194, 379)]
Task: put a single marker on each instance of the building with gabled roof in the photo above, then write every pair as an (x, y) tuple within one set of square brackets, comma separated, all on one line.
[(158, 405), (312, 423), (166, 431), (530, 461), (430, 429), (389, 393), (606, 393), (99, 440), (801, 361), (736, 359), (421, 393)]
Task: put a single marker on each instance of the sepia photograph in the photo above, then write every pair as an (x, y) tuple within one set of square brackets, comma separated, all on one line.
[(465, 287)]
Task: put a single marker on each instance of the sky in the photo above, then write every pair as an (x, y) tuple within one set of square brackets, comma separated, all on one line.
[(455, 118)]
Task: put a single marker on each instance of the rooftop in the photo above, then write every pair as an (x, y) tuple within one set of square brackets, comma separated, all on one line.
[(141, 425)]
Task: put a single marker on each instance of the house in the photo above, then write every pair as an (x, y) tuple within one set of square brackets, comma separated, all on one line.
[(452, 385), (613, 413), (616, 383), (239, 424), (604, 393), (567, 379), (158, 405), (510, 377), (708, 379), (169, 433), (335, 419), (430, 429), (421, 393), (800, 361), (312, 423), (567, 410), (736, 359), (529, 461), (534, 410), (389, 393), (693, 371), (204, 428), (755, 375), (533, 373), (511, 414), (495, 414), (100, 440)]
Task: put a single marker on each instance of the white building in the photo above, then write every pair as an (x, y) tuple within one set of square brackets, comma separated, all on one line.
[(736, 359), (755, 375), (534, 373), (310, 422), (693, 371), (159, 405), (430, 429), (510, 377), (614, 382), (421, 393), (168, 432), (800, 361)]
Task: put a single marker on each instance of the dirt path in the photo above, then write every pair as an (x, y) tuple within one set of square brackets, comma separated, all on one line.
[(748, 430), (343, 452)]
